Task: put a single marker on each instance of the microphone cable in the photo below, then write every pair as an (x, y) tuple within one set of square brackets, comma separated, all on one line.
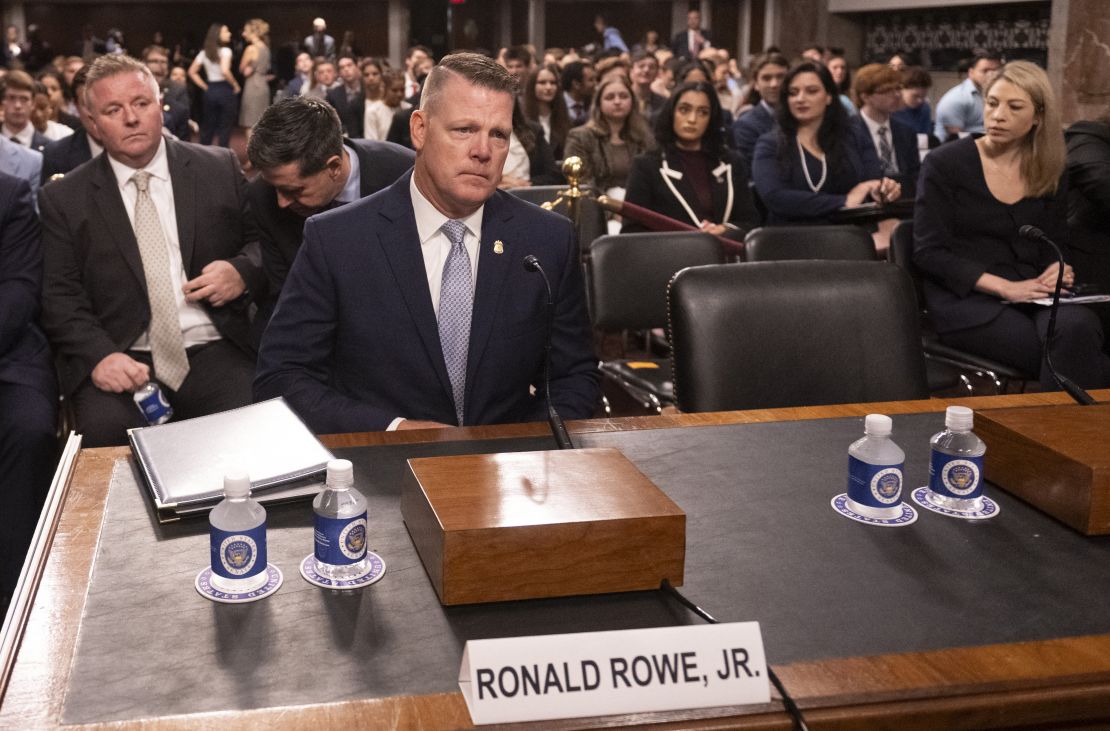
[(788, 703)]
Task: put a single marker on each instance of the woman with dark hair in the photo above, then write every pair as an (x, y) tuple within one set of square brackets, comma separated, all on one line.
[(816, 163), (842, 77), (981, 276), (615, 133), (544, 104), (219, 86), (692, 176)]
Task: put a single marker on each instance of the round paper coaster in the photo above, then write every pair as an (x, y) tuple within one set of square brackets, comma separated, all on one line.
[(908, 516), (206, 590), (375, 570), (923, 496)]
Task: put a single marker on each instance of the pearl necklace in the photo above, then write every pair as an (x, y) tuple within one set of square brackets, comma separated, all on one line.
[(805, 168)]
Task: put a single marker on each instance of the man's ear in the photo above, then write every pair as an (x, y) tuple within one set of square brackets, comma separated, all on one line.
[(418, 128)]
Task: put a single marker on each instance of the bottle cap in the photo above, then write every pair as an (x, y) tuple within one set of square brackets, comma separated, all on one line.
[(877, 425), (341, 473), (959, 418), (237, 484)]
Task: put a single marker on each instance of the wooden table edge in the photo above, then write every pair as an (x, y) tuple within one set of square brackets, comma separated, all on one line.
[(35, 692)]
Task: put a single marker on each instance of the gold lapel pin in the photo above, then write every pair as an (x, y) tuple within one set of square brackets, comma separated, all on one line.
[(498, 247)]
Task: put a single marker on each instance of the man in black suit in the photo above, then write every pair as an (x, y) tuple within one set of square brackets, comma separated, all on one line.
[(149, 265), (305, 166), (319, 44), (348, 98), (692, 41), (17, 97), (28, 392), (175, 97), (877, 89), (63, 155)]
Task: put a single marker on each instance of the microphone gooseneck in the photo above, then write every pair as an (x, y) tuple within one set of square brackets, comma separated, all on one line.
[(1075, 391), (558, 428)]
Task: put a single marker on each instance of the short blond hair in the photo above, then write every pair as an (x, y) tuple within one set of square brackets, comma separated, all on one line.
[(1043, 153), (113, 65)]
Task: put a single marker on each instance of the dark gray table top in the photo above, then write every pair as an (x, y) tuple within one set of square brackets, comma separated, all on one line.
[(762, 544)]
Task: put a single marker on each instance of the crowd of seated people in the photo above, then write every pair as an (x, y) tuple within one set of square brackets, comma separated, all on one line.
[(127, 253)]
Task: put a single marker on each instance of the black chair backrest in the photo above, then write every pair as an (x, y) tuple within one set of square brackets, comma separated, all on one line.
[(627, 275), (779, 243), (900, 254), (794, 333)]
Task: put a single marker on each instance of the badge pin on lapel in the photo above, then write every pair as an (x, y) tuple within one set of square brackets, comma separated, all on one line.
[(498, 247)]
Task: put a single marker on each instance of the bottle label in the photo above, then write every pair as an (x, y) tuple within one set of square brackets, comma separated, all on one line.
[(238, 554), (340, 541), (874, 485), (956, 477)]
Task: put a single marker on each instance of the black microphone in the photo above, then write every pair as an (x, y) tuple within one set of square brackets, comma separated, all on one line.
[(1077, 393), (558, 428)]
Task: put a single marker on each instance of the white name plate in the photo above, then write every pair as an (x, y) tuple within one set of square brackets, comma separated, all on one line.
[(549, 677)]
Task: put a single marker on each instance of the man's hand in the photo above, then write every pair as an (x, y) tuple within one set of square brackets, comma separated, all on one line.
[(415, 424), (120, 372), (219, 283)]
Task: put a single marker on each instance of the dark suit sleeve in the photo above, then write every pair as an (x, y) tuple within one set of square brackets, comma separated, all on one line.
[(870, 166), (933, 230), (778, 194), (67, 315), (298, 347), (248, 262), (541, 162), (20, 262), (574, 373), (745, 133), (1089, 169)]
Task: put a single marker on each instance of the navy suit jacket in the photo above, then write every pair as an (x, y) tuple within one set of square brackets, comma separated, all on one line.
[(24, 353), (351, 115), (749, 128), (904, 142), (354, 343), (65, 154)]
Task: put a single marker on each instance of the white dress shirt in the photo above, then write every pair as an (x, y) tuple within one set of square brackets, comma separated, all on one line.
[(435, 246), (196, 326), (25, 136)]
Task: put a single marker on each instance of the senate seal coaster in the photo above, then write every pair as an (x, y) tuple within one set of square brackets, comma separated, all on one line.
[(924, 497), (908, 516), (206, 590), (375, 571)]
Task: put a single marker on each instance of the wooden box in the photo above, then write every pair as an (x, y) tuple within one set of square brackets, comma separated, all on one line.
[(496, 527), (1056, 458)]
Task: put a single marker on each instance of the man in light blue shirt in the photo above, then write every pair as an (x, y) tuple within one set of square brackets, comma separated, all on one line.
[(960, 110), (610, 36)]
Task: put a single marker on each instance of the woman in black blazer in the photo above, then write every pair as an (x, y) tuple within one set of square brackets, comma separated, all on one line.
[(981, 275), (692, 176)]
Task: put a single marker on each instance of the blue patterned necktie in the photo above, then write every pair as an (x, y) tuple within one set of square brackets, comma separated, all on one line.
[(456, 303)]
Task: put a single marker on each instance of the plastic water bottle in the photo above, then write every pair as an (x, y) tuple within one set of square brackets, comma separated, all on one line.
[(340, 533), (152, 402), (956, 467), (875, 466), (238, 538)]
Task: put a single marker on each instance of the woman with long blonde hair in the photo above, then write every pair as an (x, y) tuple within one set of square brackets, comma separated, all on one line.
[(982, 275), (255, 67)]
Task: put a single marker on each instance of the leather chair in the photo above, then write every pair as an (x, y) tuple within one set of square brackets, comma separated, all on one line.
[(794, 333), (779, 243), (591, 216), (627, 277), (1000, 374)]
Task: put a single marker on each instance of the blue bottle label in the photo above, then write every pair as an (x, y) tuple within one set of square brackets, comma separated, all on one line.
[(956, 477), (238, 554), (340, 541), (154, 405), (874, 485)]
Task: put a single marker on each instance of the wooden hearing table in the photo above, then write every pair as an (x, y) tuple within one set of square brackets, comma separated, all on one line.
[(1056, 682)]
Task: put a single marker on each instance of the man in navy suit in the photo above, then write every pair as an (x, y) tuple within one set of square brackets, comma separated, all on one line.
[(767, 73), (19, 162), (17, 95), (878, 91), (28, 392), (412, 308), (305, 166), (693, 40), (66, 154)]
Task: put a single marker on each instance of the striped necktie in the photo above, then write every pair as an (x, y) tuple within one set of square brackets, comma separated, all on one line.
[(886, 153)]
